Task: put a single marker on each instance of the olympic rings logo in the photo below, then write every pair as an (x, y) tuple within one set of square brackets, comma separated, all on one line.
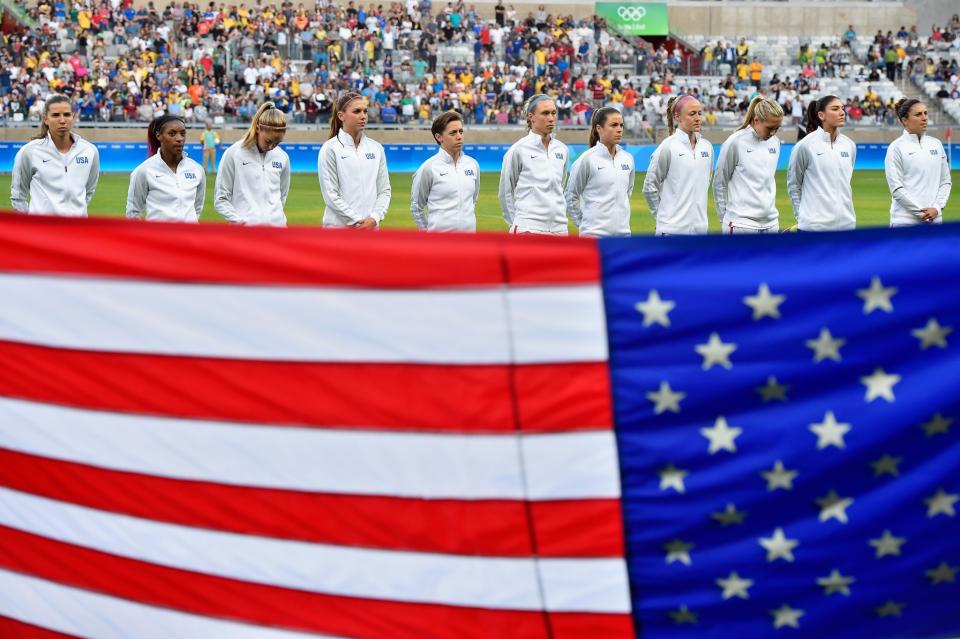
[(632, 14)]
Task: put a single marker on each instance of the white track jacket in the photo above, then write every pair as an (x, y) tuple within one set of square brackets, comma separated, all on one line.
[(353, 180), (818, 181), (252, 187), (531, 186), (55, 184), (745, 181), (165, 195), (448, 190), (676, 184), (598, 192), (919, 178)]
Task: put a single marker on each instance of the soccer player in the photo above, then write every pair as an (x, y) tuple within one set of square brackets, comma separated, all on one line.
[(820, 170), (57, 171), (533, 173), (210, 141), (745, 181), (352, 169), (254, 177), (678, 177), (917, 170), (168, 186), (601, 180), (447, 185)]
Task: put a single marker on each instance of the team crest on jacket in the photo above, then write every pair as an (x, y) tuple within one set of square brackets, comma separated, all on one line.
[(772, 150), (83, 160), (625, 167), (704, 154), (190, 176), (844, 154), (277, 165), (468, 172), (934, 152), (371, 156), (559, 156)]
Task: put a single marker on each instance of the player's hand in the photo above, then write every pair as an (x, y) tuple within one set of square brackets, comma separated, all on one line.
[(928, 215), (366, 223)]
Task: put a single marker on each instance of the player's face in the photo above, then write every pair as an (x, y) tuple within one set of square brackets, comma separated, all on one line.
[(451, 140), (833, 116), (544, 118), (690, 117), (766, 129), (916, 120), (611, 131), (59, 118), (354, 116), (173, 136), (269, 139)]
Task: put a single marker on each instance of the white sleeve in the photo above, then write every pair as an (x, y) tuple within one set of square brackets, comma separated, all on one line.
[(419, 194), (285, 182), (476, 191), (384, 192), (223, 188), (656, 174), (946, 182), (726, 165), (893, 169), (577, 181), (330, 184), (201, 193), (20, 182), (137, 194), (94, 176), (795, 170), (509, 175)]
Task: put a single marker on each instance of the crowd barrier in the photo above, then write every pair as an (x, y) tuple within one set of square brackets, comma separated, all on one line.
[(405, 158)]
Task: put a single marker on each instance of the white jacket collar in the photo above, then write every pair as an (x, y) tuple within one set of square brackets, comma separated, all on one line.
[(347, 140)]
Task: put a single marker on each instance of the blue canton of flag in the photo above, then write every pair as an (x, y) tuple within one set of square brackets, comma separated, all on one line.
[(786, 420)]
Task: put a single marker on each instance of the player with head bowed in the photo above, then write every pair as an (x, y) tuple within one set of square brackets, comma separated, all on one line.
[(254, 177), (352, 169), (917, 170), (168, 186), (533, 174), (678, 177), (821, 168), (745, 180), (601, 180), (57, 171), (445, 188)]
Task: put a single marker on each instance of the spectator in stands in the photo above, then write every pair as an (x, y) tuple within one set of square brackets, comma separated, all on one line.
[(820, 170), (210, 142), (756, 71), (917, 170), (850, 36), (677, 179)]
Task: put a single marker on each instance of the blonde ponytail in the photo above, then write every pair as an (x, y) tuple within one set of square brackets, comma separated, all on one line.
[(268, 116), (762, 109)]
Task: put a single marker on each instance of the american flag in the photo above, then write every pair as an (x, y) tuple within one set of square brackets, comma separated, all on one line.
[(229, 432)]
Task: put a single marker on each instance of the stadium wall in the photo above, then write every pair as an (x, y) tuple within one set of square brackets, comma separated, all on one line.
[(406, 158)]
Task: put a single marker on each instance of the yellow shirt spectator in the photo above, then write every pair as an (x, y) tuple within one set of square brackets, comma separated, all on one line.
[(743, 71)]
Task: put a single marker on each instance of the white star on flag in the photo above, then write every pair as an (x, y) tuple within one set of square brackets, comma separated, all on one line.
[(942, 574), (932, 334), (655, 310), (773, 390), (880, 384), (779, 477), (716, 351), (826, 346), (678, 550), (721, 436), (888, 544), (835, 582), (832, 506), (729, 516), (876, 297), (665, 399), (941, 504), (683, 615), (889, 609), (786, 616), (735, 586), (671, 477), (938, 425), (830, 432), (764, 304), (778, 546)]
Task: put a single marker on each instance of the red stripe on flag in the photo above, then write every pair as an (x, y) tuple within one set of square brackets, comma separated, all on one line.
[(13, 629), (296, 256), (584, 528), (409, 397), (208, 595)]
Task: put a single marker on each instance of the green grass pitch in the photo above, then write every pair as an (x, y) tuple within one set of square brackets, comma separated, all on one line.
[(304, 205)]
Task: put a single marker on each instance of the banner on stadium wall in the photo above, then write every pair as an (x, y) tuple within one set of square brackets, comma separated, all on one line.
[(636, 18)]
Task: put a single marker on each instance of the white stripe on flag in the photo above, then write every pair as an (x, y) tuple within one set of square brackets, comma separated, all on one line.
[(576, 585), (549, 324), (87, 614), (572, 465)]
